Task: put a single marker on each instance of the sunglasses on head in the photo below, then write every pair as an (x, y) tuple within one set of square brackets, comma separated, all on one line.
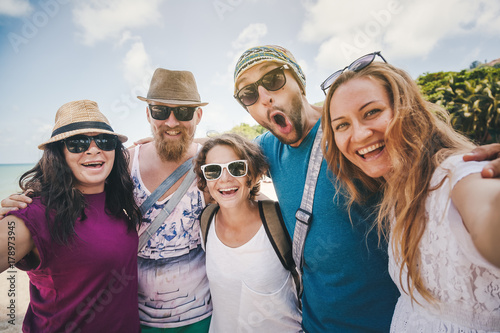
[(272, 81), (181, 113), (356, 65), (213, 171), (81, 143)]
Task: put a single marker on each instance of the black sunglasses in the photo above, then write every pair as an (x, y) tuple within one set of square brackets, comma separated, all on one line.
[(181, 113), (213, 171), (272, 81), (80, 143), (356, 65)]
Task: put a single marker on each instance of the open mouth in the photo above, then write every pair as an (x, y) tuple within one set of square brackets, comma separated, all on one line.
[(371, 150), (93, 164), (228, 191), (281, 121)]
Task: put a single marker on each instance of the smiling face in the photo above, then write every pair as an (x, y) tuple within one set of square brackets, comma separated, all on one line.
[(280, 111), (171, 136), (228, 191), (90, 168), (360, 110)]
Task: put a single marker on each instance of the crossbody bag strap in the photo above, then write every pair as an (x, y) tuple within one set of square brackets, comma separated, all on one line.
[(165, 185), (165, 212), (304, 213)]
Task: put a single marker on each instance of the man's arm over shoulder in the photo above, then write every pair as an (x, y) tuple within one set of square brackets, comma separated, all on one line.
[(487, 152), (14, 202)]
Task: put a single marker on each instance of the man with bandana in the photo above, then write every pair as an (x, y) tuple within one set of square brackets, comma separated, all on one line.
[(347, 287)]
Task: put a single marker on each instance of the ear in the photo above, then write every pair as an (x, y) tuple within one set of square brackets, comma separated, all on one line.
[(198, 113), (148, 114), (254, 181)]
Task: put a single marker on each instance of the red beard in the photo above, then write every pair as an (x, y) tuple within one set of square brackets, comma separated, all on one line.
[(171, 149)]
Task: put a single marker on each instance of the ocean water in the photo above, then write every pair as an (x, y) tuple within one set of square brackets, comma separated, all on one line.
[(9, 178)]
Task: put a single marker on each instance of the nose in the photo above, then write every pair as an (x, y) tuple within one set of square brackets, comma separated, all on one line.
[(264, 95), (93, 149), (225, 174), (171, 121), (360, 132)]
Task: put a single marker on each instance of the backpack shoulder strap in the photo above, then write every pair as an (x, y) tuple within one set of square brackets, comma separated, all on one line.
[(205, 220), (304, 213), (279, 237)]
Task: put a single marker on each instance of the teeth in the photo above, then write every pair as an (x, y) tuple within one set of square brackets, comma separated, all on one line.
[(93, 164), (370, 148), (228, 189), (173, 132)]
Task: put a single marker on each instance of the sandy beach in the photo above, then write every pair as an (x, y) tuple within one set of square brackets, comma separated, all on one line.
[(18, 292)]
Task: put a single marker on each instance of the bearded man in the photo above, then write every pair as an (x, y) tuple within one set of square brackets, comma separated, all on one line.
[(173, 287)]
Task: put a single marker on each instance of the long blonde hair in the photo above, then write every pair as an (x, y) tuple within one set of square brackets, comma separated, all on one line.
[(418, 139)]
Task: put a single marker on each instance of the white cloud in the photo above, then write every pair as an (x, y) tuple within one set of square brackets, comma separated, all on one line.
[(402, 29), (250, 36), (136, 64), (103, 19), (127, 36), (16, 8)]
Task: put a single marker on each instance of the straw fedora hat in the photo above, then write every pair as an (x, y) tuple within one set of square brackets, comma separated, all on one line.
[(173, 87), (79, 117)]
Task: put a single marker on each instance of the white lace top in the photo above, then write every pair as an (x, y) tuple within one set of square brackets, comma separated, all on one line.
[(465, 285)]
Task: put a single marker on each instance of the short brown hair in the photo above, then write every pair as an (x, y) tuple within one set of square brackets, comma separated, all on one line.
[(245, 149)]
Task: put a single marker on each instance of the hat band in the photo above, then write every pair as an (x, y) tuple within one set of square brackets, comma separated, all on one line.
[(82, 125)]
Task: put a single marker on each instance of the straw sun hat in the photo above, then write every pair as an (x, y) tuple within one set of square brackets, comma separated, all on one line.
[(173, 87), (79, 117)]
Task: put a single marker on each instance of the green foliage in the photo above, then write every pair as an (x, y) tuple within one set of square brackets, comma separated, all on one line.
[(475, 64), (247, 131), (471, 96)]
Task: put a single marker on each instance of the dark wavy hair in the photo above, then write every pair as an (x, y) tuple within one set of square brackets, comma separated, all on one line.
[(51, 179), (245, 149)]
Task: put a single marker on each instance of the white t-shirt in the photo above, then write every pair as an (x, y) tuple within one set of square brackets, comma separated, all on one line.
[(251, 290), (465, 285)]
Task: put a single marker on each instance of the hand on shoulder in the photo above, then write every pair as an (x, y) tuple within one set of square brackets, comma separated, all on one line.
[(487, 152), (14, 202)]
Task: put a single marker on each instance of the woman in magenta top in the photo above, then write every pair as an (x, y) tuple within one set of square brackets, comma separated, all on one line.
[(78, 239)]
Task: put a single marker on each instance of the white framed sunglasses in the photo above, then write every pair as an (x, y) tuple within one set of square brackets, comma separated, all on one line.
[(213, 171)]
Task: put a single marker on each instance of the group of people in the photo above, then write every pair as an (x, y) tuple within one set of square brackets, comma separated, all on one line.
[(375, 157)]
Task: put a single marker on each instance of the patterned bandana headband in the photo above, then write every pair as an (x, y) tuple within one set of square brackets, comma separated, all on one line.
[(274, 53)]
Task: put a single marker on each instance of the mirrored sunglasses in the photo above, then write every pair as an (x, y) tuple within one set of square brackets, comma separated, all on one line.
[(181, 113), (356, 65), (213, 171), (272, 81), (81, 143)]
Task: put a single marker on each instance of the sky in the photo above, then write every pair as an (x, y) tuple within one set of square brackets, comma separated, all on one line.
[(56, 51)]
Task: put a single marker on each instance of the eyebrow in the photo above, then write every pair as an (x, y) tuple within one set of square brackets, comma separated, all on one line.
[(361, 108)]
